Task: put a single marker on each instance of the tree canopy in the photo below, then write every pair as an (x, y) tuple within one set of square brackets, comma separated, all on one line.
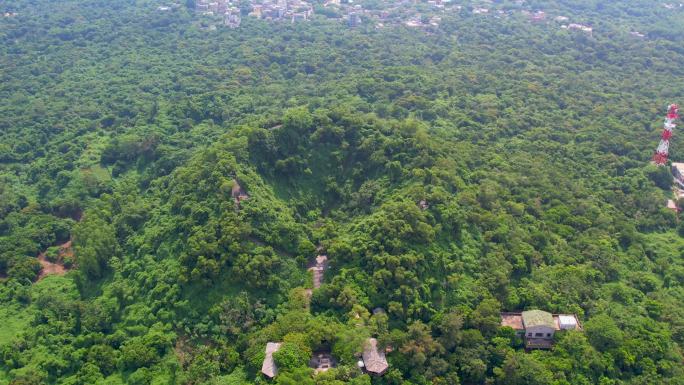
[(187, 178)]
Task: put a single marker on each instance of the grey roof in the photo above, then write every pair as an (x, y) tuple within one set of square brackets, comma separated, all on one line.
[(678, 166), (373, 359), (269, 367), (533, 318)]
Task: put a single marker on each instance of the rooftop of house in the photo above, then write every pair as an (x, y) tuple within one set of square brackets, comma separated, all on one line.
[(671, 204), (679, 193), (678, 166), (532, 318), (560, 321), (374, 360), (512, 320), (268, 367)]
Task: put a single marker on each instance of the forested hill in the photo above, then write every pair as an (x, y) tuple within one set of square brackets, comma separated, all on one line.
[(164, 188)]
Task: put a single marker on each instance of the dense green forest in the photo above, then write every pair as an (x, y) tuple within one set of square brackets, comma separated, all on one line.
[(491, 164)]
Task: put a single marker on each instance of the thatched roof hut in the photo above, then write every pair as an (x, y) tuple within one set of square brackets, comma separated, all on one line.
[(374, 360)]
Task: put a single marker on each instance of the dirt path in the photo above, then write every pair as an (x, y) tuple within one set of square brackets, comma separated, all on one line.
[(318, 270)]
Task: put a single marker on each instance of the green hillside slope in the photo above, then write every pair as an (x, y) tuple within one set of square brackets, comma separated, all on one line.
[(180, 182)]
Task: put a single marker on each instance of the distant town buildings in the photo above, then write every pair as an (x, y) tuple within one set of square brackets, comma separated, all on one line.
[(414, 23), (168, 7), (538, 16), (232, 18), (354, 19), (436, 3), (579, 27), (271, 10), (419, 14), (538, 327), (355, 15)]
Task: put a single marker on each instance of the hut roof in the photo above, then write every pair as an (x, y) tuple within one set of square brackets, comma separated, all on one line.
[(269, 367), (373, 359)]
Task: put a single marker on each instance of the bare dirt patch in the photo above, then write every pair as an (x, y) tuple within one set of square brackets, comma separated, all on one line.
[(50, 268), (183, 351)]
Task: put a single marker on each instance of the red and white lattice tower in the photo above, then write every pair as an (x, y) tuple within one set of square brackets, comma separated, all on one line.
[(662, 152)]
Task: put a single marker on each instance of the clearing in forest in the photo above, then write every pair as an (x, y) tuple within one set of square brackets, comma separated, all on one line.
[(57, 267)]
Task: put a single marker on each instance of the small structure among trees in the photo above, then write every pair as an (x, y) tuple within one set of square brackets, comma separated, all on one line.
[(374, 360), (678, 173), (322, 361), (538, 327), (238, 193), (268, 368)]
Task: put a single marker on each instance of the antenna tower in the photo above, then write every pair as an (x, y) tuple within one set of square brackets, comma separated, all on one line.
[(662, 152)]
